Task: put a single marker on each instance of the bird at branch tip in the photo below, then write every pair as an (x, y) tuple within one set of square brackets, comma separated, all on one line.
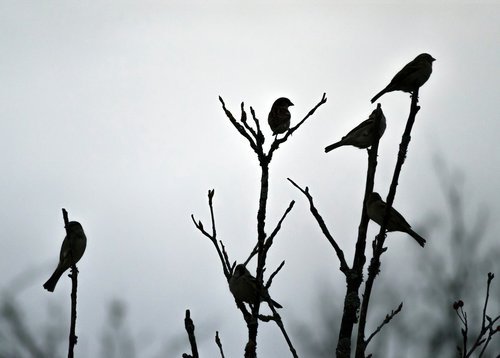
[(411, 77), (375, 208), (365, 134), (72, 250), (279, 116), (245, 287)]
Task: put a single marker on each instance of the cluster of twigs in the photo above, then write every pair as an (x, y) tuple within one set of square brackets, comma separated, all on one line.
[(487, 330), (256, 139)]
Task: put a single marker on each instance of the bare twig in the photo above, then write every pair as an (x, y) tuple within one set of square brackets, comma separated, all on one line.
[(219, 344), (270, 239), (238, 126), (340, 254), (244, 120), (259, 135), (189, 325), (386, 320), (277, 318), (270, 280), (213, 236)]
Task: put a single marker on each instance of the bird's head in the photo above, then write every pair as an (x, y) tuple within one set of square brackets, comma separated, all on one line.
[(373, 197), (425, 57), (239, 270), (74, 226), (282, 102)]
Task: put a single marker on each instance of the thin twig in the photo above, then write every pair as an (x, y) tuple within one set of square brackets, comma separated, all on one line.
[(189, 325), (260, 136), (244, 120), (238, 126), (270, 280), (340, 254), (219, 344), (279, 323), (213, 236), (386, 320), (270, 239)]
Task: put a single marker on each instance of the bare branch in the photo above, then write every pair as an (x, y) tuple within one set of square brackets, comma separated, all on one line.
[(386, 320), (340, 254)]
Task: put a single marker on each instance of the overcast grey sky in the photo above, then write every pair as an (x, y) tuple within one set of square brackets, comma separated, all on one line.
[(110, 109)]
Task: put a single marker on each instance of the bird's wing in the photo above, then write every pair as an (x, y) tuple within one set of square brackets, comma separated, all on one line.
[(399, 219), (362, 127), (405, 71)]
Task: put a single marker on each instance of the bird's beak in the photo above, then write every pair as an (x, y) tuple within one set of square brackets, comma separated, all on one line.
[(291, 104), (433, 59)]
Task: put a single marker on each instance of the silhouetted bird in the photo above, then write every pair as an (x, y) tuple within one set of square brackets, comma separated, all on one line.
[(279, 116), (365, 134), (375, 208), (72, 250), (411, 77), (244, 287)]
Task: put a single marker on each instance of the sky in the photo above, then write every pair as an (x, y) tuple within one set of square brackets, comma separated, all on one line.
[(110, 109)]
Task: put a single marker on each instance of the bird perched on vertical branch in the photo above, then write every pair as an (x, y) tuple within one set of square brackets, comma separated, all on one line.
[(365, 134), (375, 208), (279, 116), (72, 250), (411, 77), (245, 287)]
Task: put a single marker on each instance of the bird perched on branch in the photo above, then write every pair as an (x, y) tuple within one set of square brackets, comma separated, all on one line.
[(365, 134), (245, 287), (279, 116), (411, 77), (72, 250), (375, 208)]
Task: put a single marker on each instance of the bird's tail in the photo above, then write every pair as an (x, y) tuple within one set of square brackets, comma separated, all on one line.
[(274, 303), (51, 283), (378, 95), (421, 241), (333, 146)]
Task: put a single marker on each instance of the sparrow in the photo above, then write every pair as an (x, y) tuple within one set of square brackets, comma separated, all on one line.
[(411, 77), (279, 116), (72, 250), (244, 287), (375, 208), (365, 134)]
